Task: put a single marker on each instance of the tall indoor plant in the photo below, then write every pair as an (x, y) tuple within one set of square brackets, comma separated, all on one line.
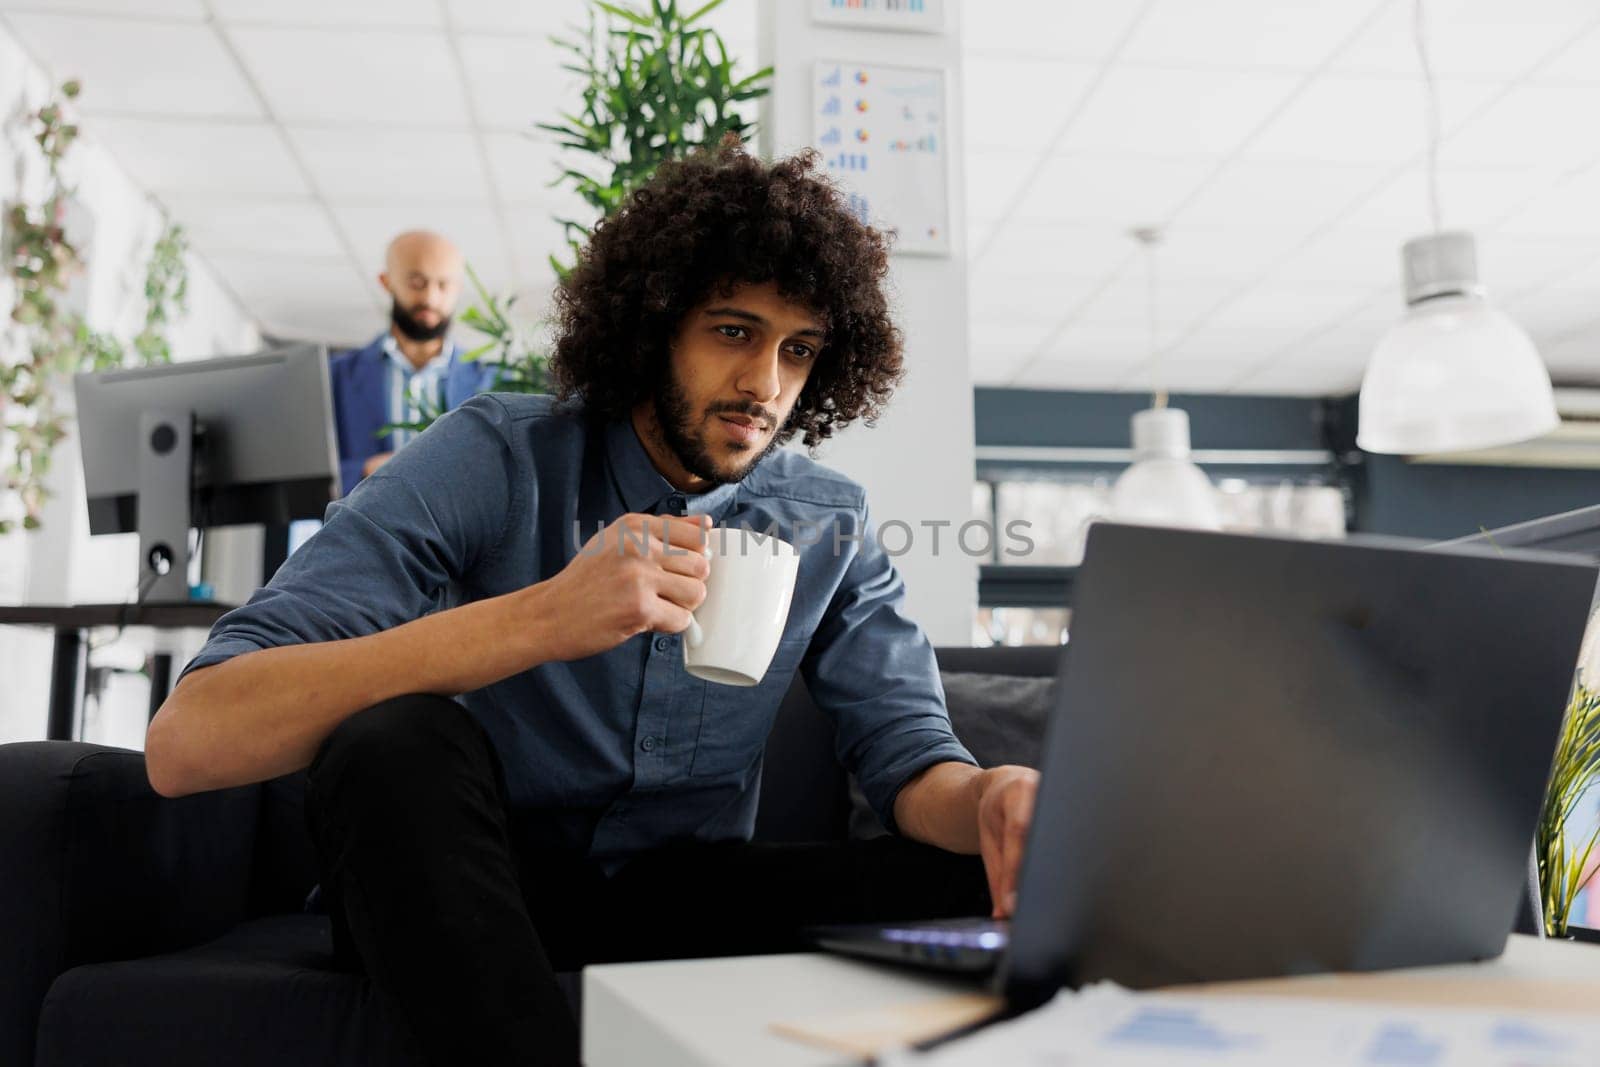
[(1563, 852), (657, 83)]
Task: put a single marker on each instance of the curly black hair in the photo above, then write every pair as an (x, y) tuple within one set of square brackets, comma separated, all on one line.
[(704, 225)]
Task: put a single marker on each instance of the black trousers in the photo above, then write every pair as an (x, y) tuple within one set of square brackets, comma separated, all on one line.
[(436, 893)]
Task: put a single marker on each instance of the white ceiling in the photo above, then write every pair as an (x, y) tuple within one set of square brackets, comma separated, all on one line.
[(295, 138), (1278, 142), (1280, 146)]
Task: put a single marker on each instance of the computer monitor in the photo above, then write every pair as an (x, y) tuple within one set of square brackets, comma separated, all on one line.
[(215, 442)]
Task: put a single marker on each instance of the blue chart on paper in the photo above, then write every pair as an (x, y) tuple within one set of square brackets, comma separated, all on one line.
[(1399, 1045), (1176, 1028), (1509, 1034)]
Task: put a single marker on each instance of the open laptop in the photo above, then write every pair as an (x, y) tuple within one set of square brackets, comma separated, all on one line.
[(1276, 756)]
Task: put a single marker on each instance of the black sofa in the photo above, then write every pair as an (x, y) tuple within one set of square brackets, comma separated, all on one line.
[(137, 930)]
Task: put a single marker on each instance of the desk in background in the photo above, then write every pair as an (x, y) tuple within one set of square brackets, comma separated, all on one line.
[(71, 624)]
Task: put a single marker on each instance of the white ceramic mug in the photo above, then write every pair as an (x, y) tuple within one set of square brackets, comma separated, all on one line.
[(734, 632)]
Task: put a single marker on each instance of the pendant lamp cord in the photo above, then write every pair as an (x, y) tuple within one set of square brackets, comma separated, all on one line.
[(1419, 31), (1148, 237)]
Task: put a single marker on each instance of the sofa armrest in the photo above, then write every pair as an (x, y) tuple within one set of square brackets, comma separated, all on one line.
[(98, 866)]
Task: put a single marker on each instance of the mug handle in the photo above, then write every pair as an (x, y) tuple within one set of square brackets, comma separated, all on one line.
[(693, 637)]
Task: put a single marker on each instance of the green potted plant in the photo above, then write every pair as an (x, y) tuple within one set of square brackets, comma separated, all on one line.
[(1564, 852), (657, 83)]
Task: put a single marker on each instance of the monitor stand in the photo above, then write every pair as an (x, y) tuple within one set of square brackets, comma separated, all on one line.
[(166, 499)]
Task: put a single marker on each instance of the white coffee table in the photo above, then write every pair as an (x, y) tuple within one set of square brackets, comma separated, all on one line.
[(720, 1012)]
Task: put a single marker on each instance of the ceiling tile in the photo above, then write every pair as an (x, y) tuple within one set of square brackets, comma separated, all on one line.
[(523, 168), (1270, 192), (1080, 373), (1474, 199), (1575, 360), (399, 77), (1469, 38), (1554, 311), (1188, 376), (1533, 122), (473, 227), (196, 156), (278, 281), (1012, 103), (1224, 253), (139, 67), (225, 225), (1286, 377), (1297, 307), (1076, 29), (1577, 64), (1510, 264), (1126, 303), (1349, 119), (516, 82), (1244, 33), (1120, 191), (381, 163), (535, 237), (1034, 296), (1344, 255), (1076, 250), (1159, 111), (1567, 208), (1001, 347), (164, 9), (516, 16), (993, 178), (389, 13)]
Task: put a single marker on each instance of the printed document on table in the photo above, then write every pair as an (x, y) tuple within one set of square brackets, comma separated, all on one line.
[(1107, 1026)]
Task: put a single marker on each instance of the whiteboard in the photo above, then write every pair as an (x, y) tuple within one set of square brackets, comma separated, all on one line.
[(919, 16), (881, 132)]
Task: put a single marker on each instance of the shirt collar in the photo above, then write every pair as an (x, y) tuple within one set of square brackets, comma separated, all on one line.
[(643, 488), (391, 348)]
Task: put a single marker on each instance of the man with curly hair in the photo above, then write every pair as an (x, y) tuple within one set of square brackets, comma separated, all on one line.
[(510, 773)]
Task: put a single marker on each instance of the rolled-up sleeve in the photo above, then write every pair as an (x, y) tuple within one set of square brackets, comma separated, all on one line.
[(386, 552), (873, 671)]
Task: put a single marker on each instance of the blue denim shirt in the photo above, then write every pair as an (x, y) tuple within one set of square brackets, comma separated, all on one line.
[(624, 750)]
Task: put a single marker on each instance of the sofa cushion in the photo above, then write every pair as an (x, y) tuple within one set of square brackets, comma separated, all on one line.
[(1001, 718), (263, 994)]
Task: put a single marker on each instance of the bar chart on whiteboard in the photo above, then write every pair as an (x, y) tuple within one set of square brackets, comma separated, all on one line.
[(881, 132)]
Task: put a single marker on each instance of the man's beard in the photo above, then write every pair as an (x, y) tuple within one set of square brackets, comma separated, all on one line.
[(675, 417), (407, 324)]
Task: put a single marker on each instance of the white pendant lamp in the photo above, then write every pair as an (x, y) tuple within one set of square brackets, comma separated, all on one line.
[(1454, 374), (1162, 487)]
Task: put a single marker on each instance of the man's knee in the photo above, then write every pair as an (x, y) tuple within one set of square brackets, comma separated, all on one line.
[(399, 744)]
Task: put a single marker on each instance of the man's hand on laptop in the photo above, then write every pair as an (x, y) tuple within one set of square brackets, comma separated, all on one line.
[(641, 573), (1005, 808)]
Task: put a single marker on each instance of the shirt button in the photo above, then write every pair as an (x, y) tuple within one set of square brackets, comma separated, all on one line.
[(676, 503), (648, 744), (663, 643)]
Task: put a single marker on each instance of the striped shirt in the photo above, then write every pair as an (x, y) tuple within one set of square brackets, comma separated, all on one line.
[(410, 389)]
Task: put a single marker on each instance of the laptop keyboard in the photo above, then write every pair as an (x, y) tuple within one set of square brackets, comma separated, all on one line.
[(985, 934)]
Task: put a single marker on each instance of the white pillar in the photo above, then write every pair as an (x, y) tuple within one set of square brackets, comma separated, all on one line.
[(917, 464)]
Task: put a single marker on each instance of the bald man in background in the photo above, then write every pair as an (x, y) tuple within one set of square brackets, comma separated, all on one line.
[(411, 365)]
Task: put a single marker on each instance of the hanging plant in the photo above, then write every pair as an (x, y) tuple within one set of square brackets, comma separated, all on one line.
[(56, 341), (657, 84)]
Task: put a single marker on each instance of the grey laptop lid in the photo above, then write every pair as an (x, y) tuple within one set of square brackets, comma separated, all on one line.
[(1276, 756)]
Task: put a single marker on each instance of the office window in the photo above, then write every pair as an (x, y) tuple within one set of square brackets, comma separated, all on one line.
[(1054, 508)]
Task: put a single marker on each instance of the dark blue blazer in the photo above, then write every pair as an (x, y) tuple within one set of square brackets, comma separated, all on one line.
[(361, 404)]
